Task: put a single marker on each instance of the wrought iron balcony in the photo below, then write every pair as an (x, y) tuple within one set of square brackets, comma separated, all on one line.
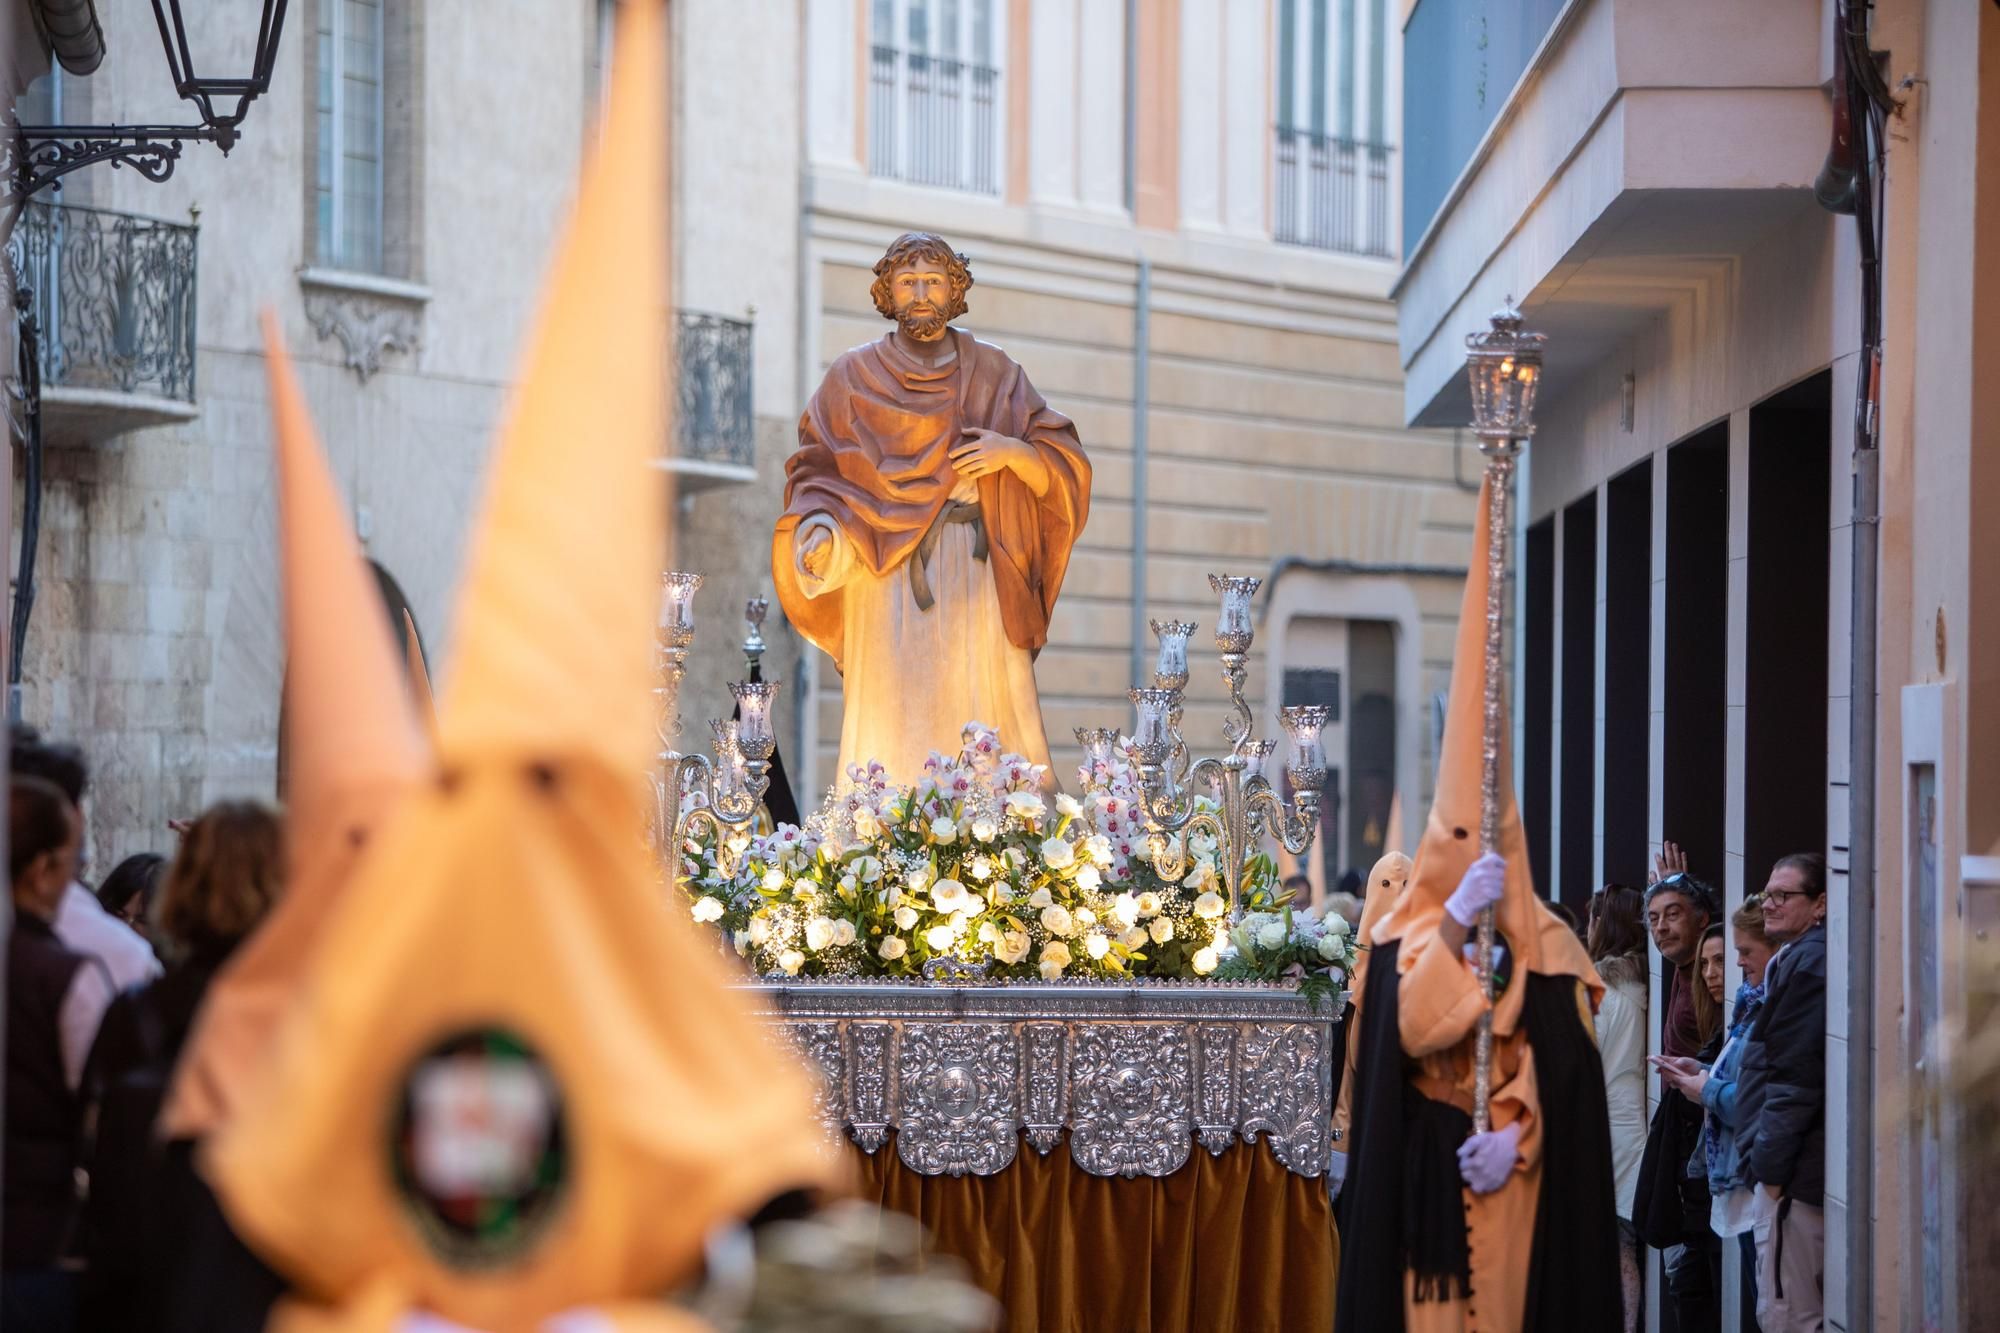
[(1333, 194), (716, 442), (113, 299)]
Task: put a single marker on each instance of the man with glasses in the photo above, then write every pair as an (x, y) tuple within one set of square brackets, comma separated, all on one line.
[(1782, 1100), (1670, 1207)]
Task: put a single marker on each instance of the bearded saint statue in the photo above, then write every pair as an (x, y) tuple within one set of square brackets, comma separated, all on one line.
[(929, 515)]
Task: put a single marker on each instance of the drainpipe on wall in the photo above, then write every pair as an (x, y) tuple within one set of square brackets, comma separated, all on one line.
[(1142, 357)]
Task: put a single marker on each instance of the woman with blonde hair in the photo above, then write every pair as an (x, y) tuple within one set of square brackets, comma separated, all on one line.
[(226, 876)]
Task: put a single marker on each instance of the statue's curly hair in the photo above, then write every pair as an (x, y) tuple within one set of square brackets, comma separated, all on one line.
[(922, 245)]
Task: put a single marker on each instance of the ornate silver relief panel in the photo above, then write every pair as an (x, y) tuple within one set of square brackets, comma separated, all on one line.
[(959, 1107), (1130, 1094)]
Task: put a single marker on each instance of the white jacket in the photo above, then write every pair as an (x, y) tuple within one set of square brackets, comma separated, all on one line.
[(1621, 1040)]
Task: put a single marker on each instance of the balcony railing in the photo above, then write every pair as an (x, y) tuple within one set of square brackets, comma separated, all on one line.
[(1333, 194), (113, 298), (716, 425), (933, 121)]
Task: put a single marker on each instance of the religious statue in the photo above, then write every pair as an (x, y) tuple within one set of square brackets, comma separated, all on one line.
[(929, 515)]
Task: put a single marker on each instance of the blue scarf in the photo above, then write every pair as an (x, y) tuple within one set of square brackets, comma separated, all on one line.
[(1749, 999)]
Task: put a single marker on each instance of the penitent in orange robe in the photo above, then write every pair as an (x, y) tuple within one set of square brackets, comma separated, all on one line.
[(1511, 1243)]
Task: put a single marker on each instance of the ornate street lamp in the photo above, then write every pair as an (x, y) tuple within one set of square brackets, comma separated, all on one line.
[(1504, 364), (37, 156)]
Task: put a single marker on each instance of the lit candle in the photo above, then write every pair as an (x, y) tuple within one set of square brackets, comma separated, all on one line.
[(677, 592), (753, 730), (1256, 754), (1097, 743), (1307, 764), (1233, 628)]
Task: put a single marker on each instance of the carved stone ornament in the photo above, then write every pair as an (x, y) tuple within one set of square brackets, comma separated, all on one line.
[(1132, 1075), (367, 326)]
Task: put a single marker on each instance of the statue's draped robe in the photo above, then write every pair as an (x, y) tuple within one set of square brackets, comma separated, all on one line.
[(873, 470)]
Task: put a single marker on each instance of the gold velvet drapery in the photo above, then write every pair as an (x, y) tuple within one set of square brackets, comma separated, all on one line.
[(1232, 1242)]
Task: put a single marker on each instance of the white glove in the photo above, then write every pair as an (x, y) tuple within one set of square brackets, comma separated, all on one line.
[(1336, 1173), (1485, 1160), (1485, 880)]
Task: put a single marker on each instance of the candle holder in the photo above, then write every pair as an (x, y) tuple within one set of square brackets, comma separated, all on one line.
[(726, 792), (1246, 806), (1099, 744)]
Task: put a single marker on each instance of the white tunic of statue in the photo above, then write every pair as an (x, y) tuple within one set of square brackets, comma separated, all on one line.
[(913, 678)]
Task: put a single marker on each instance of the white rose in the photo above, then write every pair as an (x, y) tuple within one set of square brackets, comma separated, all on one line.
[(1096, 945), (1162, 929), (843, 933), (1057, 854), (1012, 946), (1134, 938), (1055, 951), (917, 878), (939, 937), (774, 879), (1017, 858), (906, 917), (742, 942), (944, 829), (866, 825), (707, 909), (892, 947), (1337, 926), (989, 933), (1329, 946), (1088, 879), (1026, 805), (985, 830), (1086, 917), (1052, 971), (1056, 919), (1204, 961), (760, 930), (1040, 898), (869, 869), (1098, 848), (1001, 895), (958, 923), (804, 890), (791, 960), (1125, 910), (948, 895), (1272, 935), (1202, 878), (819, 933), (980, 867), (1209, 906), (1149, 904), (1066, 805), (849, 884)]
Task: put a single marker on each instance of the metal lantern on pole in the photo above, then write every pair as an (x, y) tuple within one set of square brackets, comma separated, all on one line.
[(1504, 364)]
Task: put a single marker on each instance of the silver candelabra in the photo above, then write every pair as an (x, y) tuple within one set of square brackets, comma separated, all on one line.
[(729, 788), (1246, 806)]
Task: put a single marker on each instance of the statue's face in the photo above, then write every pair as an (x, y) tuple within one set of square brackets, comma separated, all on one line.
[(922, 293)]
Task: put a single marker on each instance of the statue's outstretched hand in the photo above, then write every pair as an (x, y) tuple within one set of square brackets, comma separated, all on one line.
[(815, 552)]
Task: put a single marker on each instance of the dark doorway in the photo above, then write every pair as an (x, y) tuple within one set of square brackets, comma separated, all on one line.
[(1694, 772), (1785, 713), (1538, 627), (1579, 704), (1628, 633)]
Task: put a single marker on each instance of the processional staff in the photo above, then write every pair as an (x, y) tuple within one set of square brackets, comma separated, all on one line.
[(1504, 364)]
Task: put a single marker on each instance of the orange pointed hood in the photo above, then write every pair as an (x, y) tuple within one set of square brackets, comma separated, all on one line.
[(1450, 841), (352, 750), (520, 1082)]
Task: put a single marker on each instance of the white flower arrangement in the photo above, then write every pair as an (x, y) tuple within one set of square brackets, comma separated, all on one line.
[(973, 864)]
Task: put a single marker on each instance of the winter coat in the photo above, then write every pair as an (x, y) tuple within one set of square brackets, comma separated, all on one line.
[(1781, 1093), (1724, 1146)]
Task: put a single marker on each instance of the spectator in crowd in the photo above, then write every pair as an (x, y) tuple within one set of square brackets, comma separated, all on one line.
[(1708, 995), (1671, 1207), (223, 880), (127, 892), (1301, 889), (82, 924), (1783, 1100), (1344, 905), (1617, 946), (52, 992), (1717, 1089)]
